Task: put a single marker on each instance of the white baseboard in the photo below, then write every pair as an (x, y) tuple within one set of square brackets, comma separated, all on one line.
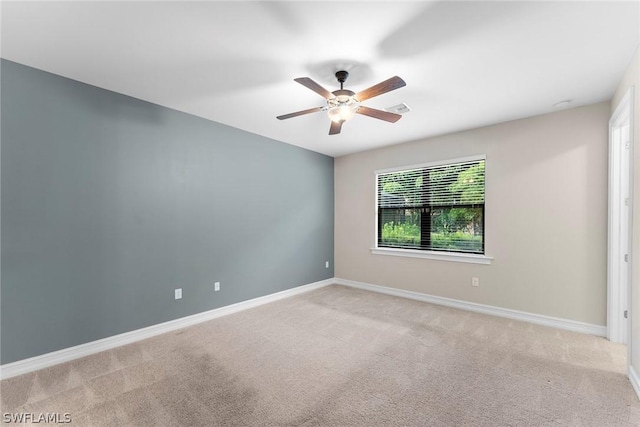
[(635, 380), (49, 359), (539, 319), (24, 366)]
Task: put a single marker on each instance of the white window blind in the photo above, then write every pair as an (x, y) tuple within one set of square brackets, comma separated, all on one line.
[(437, 208)]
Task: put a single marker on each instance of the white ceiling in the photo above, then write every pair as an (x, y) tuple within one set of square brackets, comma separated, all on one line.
[(466, 64)]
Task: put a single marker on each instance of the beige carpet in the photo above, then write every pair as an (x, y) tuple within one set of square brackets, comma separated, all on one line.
[(342, 357)]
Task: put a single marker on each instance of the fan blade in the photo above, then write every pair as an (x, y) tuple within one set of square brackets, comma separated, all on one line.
[(388, 85), (335, 127), (310, 84), (299, 113), (378, 114)]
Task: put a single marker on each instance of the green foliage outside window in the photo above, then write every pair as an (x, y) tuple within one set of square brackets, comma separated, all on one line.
[(402, 234)]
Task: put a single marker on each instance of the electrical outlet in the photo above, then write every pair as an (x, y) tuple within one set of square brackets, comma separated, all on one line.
[(178, 293), (475, 281), (216, 286), (326, 264)]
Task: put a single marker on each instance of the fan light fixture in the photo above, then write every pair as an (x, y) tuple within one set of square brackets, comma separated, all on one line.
[(342, 108)]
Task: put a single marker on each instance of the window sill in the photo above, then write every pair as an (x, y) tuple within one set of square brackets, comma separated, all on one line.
[(441, 256)]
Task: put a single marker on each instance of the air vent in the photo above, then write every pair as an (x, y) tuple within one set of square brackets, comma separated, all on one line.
[(398, 109)]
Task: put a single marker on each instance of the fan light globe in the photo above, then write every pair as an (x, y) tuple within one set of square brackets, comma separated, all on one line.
[(343, 106), (342, 113)]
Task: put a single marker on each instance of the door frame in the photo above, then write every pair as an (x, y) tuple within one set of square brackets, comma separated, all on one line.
[(619, 294)]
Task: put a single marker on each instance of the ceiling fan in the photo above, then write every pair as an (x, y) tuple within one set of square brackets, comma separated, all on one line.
[(343, 104)]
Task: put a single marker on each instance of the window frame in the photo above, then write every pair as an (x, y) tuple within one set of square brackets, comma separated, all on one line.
[(426, 253)]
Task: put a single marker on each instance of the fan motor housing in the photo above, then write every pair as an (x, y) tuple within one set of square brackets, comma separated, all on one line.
[(342, 97), (343, 92)]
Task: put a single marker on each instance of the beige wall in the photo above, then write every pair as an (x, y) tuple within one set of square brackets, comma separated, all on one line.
[(632, 78), (546, 216)]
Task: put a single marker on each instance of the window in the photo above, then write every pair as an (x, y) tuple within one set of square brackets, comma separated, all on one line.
[(436, 207)]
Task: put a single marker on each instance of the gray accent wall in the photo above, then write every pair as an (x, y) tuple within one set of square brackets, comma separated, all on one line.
[(109, 203)]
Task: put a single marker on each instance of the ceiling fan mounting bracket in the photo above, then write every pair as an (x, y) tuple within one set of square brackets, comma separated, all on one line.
[(342, 76)]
